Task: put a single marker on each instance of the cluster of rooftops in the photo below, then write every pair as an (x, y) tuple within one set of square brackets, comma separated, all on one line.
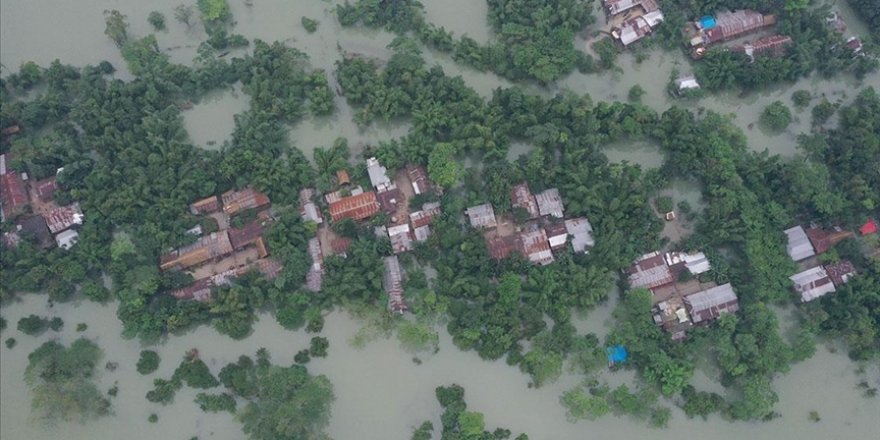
[(635, 19), (32, 206), (404, 227), (545, 230), (817, 278), (680, 298), (214, 259)]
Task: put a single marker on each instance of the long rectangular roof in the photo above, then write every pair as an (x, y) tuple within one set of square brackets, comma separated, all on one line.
[(799, 247), (378, 174), (522, 197), (650, 271), (711, 303), (356, 207), (392, 282), (536, 247), (61, 218), (247, 198), (812, 283)]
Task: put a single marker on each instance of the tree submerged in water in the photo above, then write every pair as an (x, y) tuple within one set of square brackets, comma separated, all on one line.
[(61, 379)]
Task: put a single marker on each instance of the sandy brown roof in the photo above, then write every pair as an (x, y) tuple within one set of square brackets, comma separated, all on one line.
[(247, 198)]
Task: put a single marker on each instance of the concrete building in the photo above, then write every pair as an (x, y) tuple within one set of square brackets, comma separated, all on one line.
[(378, 175), (67, 239), (581, 232)]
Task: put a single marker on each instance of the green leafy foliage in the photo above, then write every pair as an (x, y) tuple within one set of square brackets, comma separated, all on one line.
[(776, 116), (148, 362)]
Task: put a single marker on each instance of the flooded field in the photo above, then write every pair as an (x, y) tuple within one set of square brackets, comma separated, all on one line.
[(381, 393)]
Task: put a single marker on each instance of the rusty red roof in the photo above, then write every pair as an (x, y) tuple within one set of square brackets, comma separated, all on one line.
[(502, 247), (247, 198), (13, 194), (247, 234), (357, 207), (823, 239)]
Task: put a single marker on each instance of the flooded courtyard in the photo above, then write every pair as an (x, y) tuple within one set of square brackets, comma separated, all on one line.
[(380, 392)]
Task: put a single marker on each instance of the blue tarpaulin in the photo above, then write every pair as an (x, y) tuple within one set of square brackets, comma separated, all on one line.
[(617, 354), (707, 22)]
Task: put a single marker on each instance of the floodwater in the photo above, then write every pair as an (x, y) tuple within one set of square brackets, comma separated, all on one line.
[(381, 393)]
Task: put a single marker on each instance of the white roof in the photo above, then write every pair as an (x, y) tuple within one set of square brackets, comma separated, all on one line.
[(581, 232), (398, 229), (687, 82), (799, 247), (695, 262), (653, 18), (310, 212), (378, 173), (557, 240), (67, 239)]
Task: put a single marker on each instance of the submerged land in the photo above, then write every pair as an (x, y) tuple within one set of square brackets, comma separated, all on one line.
[(456, 220)]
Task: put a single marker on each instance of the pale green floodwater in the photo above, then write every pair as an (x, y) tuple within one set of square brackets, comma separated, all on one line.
[(381, 393)]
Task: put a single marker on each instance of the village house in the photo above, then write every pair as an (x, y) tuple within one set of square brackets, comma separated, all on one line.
[(307, 208), (536, 247), (392, 282), (208, 205), (679, 313), (378, 175), (649, 271), (355, 207), (550, 203), (615, 7), (61, 218), (482, 216), (247, 198), (654, 270), (67, 239), (250, 234), (401, 238), (421, 220), (13, 192), (201, 289), (521, 197), (418, 178), (840, 272), (710, 304), (342, 177), (823, 239), (501, 247), (389, 199), (812, 283), (799, 247), (870, 227), (315, 276), (45, 189), (557, 235), (686, 83), (725, 26), (581, 232), (209, 247), (636, 28)]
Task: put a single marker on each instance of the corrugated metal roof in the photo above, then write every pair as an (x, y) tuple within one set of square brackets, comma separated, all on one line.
[(61, 218), (840, 272), (550, 203), (711, 303), (536, 247), (247, 198), (521, 197), (357, 207), (378, 174), (812, 283), (208, 205), (482, 216), (392, 282), (799, 247)]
